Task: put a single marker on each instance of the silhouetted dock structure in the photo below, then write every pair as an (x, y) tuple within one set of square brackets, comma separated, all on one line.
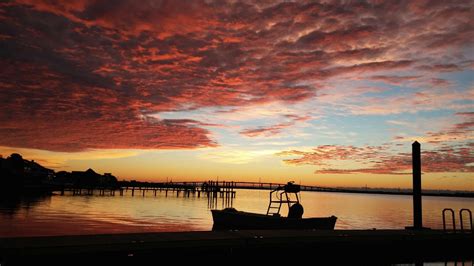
[(416, 244), (336, 247), (220, 189), (210, 189)]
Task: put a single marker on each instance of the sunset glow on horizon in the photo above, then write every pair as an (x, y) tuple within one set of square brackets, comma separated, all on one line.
[(320, 93)]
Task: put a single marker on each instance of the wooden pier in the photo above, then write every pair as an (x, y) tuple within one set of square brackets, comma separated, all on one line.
[(210, 189), (337, 247)]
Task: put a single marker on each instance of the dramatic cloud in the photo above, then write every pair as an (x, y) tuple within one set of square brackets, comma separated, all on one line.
[(274, 129), (396, 80), (321, 154), (436, 98), (452, 152), (93, 74), (381, 160), (68, 117), (459, 132)]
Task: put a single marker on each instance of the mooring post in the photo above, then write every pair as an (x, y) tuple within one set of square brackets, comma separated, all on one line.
[(417, 211)]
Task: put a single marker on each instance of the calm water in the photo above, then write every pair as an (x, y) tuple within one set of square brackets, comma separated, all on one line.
[(64, 215)]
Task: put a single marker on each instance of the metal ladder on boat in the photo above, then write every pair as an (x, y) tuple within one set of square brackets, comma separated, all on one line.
[(274, 206)]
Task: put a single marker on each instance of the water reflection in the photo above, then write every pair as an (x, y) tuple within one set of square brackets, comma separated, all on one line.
[(59, 215), (11, 203)]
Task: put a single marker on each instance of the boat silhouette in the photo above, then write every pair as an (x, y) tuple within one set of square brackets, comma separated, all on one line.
[(232, 219)]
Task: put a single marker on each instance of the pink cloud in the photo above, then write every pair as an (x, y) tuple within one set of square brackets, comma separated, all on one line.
[(380, 160), (441, 68), (396, 80), (78, 118), (92, 72), (425, 100), (458, 132), (274, 129)]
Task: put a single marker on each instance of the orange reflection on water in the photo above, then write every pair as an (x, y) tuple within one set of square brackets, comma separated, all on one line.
[(72, 215)]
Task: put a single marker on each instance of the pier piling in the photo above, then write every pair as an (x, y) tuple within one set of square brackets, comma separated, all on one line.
[(417, 206)]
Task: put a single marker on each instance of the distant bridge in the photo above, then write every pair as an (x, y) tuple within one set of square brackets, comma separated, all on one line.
[(227, 184), (213, 188), (271, 186), (227, 189)]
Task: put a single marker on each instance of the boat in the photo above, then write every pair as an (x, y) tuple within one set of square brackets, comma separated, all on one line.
[(232, 219)]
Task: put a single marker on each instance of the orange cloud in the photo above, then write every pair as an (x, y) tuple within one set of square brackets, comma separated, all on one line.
[(274, 129), (380, 160), (89, 74), (396, 80), (460, 132)]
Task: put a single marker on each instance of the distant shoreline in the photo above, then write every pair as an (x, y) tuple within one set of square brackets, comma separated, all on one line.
[(271, 186), (434, 194), (406, 193), (238, 185)]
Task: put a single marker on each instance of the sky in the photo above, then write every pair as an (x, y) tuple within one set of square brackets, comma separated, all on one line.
[(329, 93)]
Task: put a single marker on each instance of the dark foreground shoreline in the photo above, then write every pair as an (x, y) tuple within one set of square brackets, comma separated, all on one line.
[(338, 247)]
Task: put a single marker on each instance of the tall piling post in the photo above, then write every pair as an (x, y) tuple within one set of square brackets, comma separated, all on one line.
[(417, 210)]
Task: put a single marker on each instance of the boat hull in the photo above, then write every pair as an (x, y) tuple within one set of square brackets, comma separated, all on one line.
[(237, 220)]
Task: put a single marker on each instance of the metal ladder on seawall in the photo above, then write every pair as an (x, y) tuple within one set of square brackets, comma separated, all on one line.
[(461, 219), (462, 231)]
